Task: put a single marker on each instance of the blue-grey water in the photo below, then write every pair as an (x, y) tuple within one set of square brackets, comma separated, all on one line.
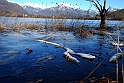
[(46, 63), (68, 22)]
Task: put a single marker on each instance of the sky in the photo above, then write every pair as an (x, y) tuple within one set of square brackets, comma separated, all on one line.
[(83, 4)]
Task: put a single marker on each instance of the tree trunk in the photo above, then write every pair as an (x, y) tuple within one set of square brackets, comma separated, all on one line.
[(103, 23)]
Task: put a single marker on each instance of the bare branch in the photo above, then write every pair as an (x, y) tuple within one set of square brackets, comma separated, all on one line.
[(99, 4), (104, 4), (106, 10), (95, 4)]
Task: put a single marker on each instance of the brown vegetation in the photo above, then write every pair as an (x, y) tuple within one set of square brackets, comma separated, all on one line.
[(82, 31), (117, 15), (60, 27), (20, 26), (58, 24), (1, 28)]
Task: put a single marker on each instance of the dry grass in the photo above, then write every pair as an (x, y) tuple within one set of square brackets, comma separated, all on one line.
[(82, 31), (76, 27), (20, 26), (60, 27), (31, 26), (1, 28)]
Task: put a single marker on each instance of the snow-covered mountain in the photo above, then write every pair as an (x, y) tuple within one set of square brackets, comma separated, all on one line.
[(58, 9), (112, 9), (34, 5)]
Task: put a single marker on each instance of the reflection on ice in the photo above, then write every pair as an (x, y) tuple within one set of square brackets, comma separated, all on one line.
[(8, 56), (46, 58), (13, 52)]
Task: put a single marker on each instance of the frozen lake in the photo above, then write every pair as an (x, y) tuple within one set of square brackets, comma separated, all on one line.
[(46, 63)]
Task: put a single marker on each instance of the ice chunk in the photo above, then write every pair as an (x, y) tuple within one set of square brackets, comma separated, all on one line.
[(88, 56), (113, 58), (8, 56), (70, 58), (13, 52), (69, 50), (46, 58), (115, 44), (55, 44)]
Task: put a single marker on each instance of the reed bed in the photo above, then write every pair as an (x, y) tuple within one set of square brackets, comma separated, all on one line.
[(18, 26), (50, 24), (82, 31), (78, 28)]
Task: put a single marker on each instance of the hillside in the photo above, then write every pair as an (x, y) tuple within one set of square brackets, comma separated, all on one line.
[(8, 8), (116, 15)]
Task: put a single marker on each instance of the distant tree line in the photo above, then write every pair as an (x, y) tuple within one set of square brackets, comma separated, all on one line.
[(117, 15)]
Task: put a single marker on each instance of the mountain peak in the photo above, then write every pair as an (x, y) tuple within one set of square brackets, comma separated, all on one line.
[(34, 5), (58, 9), (67, 5)]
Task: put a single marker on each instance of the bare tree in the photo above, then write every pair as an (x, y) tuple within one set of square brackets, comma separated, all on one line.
[(102, 10)]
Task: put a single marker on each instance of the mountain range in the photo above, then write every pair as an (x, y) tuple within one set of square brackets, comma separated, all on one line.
[(59, 9), (37, 9)]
